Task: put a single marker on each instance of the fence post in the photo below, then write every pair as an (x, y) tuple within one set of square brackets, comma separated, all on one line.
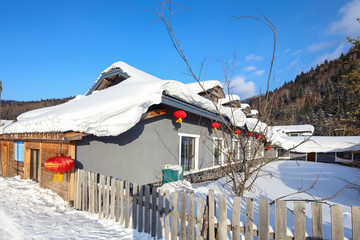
[(134, 205), (122, 212), (107, 198), (199, 216), (160, 214), (101, 193), (127, 204), (249, 219), (263, 219), (337, 223), (355, 215), (140, 215), (183, 216), (167, 214), (222, 211), (236, 218), (317, 224), (299, 221), (117, 201), (76, 190), (280, 220), (191, 217), (147, 209), (153, 212), (112, 199), (174, 216), (211, 215)]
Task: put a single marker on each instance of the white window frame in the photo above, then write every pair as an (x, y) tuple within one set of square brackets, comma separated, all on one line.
[(234, 142), (282, 157), (221, 162), (197, 138)]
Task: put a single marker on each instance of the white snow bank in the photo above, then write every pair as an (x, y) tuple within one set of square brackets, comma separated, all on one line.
[(30, 212), (229, 98), (112, 111), (209, 84), (293, 128)]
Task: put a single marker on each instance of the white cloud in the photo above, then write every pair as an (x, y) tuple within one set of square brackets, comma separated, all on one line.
[(330, 56), (294, 62), (253, 57), (249, 68), (297, 52), (347, 24), (242, 88), (286, 50), (320, 46), (259, 72)]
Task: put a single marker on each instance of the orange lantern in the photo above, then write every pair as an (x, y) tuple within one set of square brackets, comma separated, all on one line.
[(237, 132), (59, 164), (250, 134), (179, 115), (215, 126)]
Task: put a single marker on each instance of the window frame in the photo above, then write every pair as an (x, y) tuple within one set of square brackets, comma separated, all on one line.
[(282, 157), (222, 161), (19, 151), (236, 142), (196, 157)]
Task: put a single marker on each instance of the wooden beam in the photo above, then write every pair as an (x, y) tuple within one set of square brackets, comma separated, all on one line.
[(72, 136), (154, 113)]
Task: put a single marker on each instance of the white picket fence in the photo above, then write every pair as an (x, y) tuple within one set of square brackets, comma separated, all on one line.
[(160, 214)]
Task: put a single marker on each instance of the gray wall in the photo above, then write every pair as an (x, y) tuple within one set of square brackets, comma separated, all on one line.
[(139, 155)]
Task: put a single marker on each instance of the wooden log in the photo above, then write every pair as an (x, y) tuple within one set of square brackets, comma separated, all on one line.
[(112, 198), (160, 223), (222, 213), (174, 216), (153, 212), (122, 210), (117, 201), (182, 216), (140, 215), (355, 215), (147, 209), (236, 218), (127, 204), (101, 194), (211, 215), (249, 219), (280, 220), (167, 215), (299, 221), (263, 227), (199, 216), (134, 205), (317, 223), (337, 222), (191, 217)]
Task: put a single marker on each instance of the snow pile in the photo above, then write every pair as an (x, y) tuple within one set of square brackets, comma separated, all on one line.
[(289, 176), (228, 99), (112, 111), (209, 84), (30, 212), (293, 128)]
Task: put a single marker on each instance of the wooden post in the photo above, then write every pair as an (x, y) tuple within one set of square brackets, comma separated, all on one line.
[(147, 209), (127, 204), (167, 215), (199, 216), (174, 216), (355, 215), (317, 223), (91, 193), (263, 219), (140, 215), (236, 218), (160, 213), (299, 221), (182, 216), (117, 201), (337, 223), (153, 212), (122, 211), (76, 199), (249, 218), (280, 220), (107, 198), (222, 230), (134, 205), (101, 193), (191, 217), (211, 215), (112, 198)]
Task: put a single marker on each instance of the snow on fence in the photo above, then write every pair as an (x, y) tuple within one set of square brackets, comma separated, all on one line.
[(159, 213)]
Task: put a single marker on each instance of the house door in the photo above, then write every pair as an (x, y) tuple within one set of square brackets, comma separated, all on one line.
[(4, 160), (34, 165), (311, 157)]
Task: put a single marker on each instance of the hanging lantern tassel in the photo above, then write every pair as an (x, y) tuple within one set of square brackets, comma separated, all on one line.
[(179, 115), (58, 177), (258, 137), (237, 132), (215, 126), (250, 134), (268, 148), (59, 164)]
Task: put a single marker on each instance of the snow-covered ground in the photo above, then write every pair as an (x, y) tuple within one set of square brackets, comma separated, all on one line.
[(29, 212)]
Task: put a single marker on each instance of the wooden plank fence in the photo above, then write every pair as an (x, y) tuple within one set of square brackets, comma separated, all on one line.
[(159, 213)]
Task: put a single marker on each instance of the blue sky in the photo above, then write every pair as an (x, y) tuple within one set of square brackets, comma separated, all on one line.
[(55, 49)]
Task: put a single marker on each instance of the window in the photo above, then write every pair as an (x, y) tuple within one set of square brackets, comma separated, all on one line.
[(236, 150), (189, 145), (282, 154), (218, 151), (19, 151), (344, 155)]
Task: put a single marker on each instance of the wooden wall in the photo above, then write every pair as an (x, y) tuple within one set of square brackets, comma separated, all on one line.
[(46, 151)]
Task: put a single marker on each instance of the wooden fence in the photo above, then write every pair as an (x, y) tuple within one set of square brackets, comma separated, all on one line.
[(160, 214)]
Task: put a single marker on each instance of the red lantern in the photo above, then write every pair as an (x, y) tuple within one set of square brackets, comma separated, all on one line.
[(250, 134), (59, 164), (268, 148), (237, 132), (179, 115), (215, 126), (258, 137)]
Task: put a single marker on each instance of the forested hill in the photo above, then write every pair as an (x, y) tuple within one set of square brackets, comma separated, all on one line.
[(323, 97), (10, 109)]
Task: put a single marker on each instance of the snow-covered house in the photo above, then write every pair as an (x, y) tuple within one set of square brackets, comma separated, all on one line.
[(123, 127)]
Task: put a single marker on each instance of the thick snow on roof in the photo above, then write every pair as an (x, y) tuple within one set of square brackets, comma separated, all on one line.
[(245, 105), (229, 98), (114, 110), (209, 84), (293, 128)]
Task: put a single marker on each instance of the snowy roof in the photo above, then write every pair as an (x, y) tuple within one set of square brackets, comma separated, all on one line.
[(294, 128), (229, 98), (114, 110), (209, 84), (4, 123), (245, 105)]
